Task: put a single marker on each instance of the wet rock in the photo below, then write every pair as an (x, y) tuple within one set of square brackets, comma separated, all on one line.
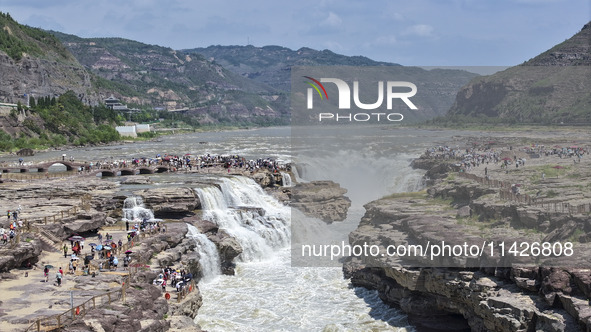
[(325, 200), (168, 202)]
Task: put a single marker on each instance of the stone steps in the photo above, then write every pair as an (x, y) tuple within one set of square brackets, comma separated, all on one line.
[(49, 240)]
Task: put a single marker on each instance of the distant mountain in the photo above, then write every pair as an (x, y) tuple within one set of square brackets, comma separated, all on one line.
[(235, 85), (271, 64), (141, 74), (551, 88), (34, 62)]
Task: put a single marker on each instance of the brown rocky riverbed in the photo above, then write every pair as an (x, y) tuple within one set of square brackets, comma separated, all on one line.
[(52, 209)]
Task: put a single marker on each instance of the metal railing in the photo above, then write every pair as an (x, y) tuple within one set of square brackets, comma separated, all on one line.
[(62, 320), (505, 193)]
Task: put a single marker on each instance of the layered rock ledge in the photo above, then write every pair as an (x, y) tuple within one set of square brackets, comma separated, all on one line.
[(478, 295), (325, 200)]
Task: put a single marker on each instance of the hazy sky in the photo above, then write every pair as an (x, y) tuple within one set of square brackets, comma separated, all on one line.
[(411, 32)]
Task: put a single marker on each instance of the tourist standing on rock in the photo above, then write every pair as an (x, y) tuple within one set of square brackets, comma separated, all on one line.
[(46, 273), (65, 248), (127, 225)]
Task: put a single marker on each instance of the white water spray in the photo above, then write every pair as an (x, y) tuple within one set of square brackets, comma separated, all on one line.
[(256, 220), (286, 179), (133, 210), (209, 259)]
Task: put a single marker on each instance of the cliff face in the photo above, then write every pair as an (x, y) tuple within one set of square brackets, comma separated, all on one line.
[(553, 87), (575, 51), (35, 63), (473, 297), (41, 77)]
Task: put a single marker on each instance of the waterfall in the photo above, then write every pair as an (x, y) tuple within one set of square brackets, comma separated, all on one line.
[(209, 258), (367, 176), (133, 210), (286, 179), (259, 222)]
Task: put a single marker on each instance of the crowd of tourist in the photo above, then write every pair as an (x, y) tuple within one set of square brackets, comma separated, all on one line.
[(470, 158)]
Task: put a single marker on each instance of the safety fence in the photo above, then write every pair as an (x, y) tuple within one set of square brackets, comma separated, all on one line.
[(505, 193), (62, 320), (36, 175)]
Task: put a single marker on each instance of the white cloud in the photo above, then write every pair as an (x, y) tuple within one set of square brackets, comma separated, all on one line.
[(332, 20), (386, 40), (421, 30)]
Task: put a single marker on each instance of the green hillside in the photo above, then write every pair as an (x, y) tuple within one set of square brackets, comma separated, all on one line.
[(153, 76), (551, 88), (17, 40)]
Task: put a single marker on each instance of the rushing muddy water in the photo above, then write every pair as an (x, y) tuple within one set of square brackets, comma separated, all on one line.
[(268, 293)]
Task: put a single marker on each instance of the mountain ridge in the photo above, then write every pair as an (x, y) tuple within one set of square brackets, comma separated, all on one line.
[(553, 87), (270, 64)]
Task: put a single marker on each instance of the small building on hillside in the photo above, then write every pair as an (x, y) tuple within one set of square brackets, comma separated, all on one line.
[(127, 131), (115, 104), (142, 128), (133, 129)]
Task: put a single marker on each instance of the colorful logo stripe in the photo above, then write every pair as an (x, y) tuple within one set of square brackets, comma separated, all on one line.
[(316, 88)]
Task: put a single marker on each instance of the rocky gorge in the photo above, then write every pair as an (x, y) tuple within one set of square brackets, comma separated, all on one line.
[(457, 294)]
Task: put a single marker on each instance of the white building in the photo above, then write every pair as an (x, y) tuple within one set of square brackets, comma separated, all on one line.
[(133, 130), (142, 128), (128, 131)]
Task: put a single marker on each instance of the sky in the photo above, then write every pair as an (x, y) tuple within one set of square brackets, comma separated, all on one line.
[(411, 32)]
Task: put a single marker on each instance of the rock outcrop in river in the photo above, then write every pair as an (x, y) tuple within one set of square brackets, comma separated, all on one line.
[(325, 200)]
